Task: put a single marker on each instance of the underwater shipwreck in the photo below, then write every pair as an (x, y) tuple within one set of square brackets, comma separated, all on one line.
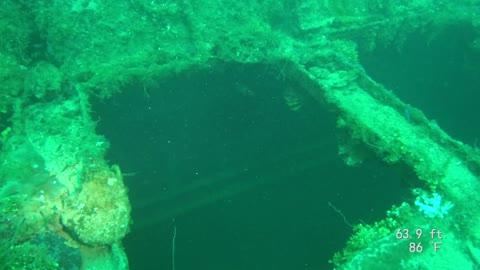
[(82, 77)]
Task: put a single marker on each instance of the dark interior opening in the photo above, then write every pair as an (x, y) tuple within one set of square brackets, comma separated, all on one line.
[(244, 166)]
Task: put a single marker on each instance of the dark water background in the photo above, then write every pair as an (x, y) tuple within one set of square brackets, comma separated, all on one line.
[(187, 129)]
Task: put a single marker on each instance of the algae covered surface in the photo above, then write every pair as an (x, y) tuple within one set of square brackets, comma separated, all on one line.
[(239, 135)]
